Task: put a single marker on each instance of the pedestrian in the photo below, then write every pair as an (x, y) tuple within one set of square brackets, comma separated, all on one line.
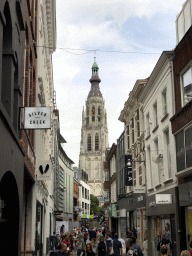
[(190, 245), (88, 251), (129, 233), (85, 236), (145, 247), (101, 247), (165, 242), (164, 250), (79, 246), (130, 249), (62, 251), (117, 246), (70, 253), (54, 241), (62, 229), (109, 244), (75, 237), (71, 243), (94, 245), (185, 253), (136, 247)]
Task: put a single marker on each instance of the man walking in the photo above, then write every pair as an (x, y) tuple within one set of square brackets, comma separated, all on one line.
[(62, 252), (117, 246)]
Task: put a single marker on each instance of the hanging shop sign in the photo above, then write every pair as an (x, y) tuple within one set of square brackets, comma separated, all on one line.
[(163, 198), (43, 170), (139, 190), (37, 118), (128, 171)]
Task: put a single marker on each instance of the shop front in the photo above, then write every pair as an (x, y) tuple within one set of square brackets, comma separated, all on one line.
[(185, 203), (135, 218), (161, 219)]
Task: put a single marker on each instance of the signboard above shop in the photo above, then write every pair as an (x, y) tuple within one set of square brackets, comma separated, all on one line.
[(36, 118), (139, 190), (163, 198)]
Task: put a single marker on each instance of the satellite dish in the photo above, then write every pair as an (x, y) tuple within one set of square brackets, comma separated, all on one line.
[(157, 159)]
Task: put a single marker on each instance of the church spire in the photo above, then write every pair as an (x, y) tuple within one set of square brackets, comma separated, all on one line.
[(95, 80)]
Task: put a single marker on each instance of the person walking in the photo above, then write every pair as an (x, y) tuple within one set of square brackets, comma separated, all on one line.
[(165, 242), (129, 233), (117, 246), (109, 244), (62, 251), (94, 245), (88, 251), (101, 247), (79, 246), (185, 253), (54, 241), (136, 247), (164, 250), (129, 247), (85, 236)]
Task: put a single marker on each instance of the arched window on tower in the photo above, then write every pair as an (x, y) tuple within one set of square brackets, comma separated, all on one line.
[(96, 141), (99, 114), (93, 114), (89, 142)]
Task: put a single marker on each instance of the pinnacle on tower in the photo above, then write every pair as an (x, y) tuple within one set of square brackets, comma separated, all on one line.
[(95, 80)]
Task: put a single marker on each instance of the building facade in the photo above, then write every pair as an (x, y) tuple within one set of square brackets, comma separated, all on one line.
[(94, 135), (11, 152), (161, 201), (134, 202), (181, 122)]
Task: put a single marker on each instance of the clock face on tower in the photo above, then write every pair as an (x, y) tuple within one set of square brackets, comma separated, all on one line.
[(93, 111)]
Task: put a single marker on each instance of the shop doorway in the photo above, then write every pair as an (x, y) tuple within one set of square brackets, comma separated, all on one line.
[(38, 232), (9, 214)]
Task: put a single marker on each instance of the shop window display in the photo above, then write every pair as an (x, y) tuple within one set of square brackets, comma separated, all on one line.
[(188, 219)]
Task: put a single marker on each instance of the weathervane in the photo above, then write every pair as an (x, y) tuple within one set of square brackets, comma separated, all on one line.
[(94, 56)]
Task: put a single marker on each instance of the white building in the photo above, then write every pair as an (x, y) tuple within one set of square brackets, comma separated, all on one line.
[(84, 198), (158, 107), (43, 219)]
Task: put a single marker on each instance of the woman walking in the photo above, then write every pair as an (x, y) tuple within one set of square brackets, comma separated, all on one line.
[(88, 251)]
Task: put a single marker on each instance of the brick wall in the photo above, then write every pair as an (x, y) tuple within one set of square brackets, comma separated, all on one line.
[(183, 54)]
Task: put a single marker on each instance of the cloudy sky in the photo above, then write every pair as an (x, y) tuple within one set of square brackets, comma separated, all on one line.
[(128, 37)]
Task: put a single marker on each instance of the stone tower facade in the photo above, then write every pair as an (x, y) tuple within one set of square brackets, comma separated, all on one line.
[(94, 135)]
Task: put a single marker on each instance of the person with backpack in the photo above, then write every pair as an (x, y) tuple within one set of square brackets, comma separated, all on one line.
[(165, 242), (117, 246), (109, 244), (130, 249), (101, 247), (137, 249)]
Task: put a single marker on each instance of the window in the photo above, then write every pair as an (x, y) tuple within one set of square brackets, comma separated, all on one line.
[(93, 114), (164, 102), (99, 114), (167, 148), (106, 175), (187, 86), (138, 124), (89, 142), (147, 125), (149, 164), (83, 205), (96, 141), (155, 118), (128, 138), (156, 149), (132, 126)]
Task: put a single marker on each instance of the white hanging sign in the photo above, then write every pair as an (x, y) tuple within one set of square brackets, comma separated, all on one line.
[(37, 118), (43, 170)]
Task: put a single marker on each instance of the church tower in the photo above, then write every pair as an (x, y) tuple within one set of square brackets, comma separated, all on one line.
[(94, 135)]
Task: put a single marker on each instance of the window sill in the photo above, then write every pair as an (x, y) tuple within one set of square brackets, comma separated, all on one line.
[(158, 186), (155, 128), (148, 136), (168, 181), (165, 116)]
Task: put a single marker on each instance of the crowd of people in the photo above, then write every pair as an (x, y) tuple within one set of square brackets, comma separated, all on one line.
[(102, 242)]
